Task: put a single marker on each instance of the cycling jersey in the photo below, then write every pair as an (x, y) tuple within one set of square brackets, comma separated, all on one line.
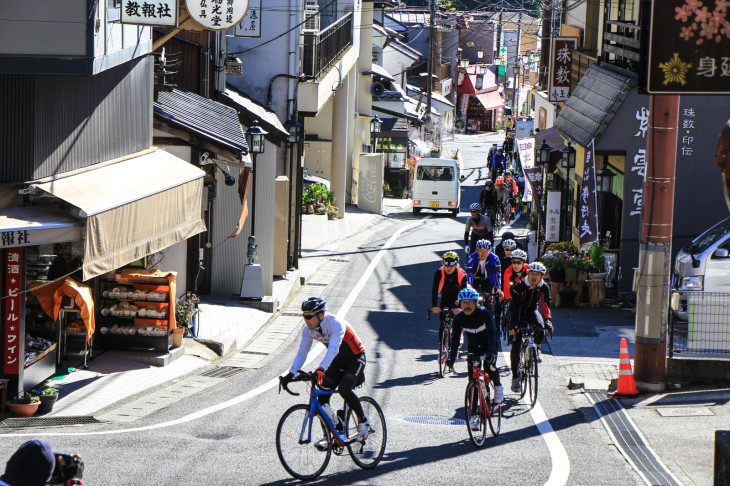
[(488, 199), (525, 300), (511, 278), (481, 334), (448, 286), (489, 269), (481, 227), (341, 341)]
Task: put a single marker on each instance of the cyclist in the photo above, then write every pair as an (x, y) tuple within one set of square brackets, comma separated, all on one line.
[(343, 366), (525, 298), (447, 281), (490, 155), (498, 163), (499, 249), (511, 189), (516, 272), (509, 144), (480, 227), (483, 269), (488, 200), (478, 325)]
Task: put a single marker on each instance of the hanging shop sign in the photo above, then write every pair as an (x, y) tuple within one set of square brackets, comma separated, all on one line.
[(552, 225), (250, 24), (159, 12), (217, 14), (13, 282), (561, 54), (588, 216), (688, 48)]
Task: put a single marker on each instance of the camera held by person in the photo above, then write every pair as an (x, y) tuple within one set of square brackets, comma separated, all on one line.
[(35, 464)]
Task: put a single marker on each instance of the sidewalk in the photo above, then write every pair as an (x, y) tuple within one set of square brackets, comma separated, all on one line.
[(226, 325)]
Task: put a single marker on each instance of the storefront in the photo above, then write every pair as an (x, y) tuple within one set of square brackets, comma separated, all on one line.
[(480, 104), (392, 142), (58, 260)]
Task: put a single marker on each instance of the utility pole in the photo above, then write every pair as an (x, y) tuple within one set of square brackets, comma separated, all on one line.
[(429, 83), (517, 63), (655, 244), (545, 46)]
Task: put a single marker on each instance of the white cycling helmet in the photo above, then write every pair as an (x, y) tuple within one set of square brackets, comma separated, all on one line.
[(509, 244), (537, 267), (519, 254), (475, 207), (483, 245)]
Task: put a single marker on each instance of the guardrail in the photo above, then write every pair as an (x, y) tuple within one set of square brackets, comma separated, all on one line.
[(699, 325)]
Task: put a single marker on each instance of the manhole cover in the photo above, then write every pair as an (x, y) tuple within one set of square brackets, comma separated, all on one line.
[(48, 421), (684, 412), (222, 372), (433, 420)]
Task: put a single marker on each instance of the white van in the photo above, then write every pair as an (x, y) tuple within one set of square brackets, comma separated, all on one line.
[(437, 185), (704, 265)]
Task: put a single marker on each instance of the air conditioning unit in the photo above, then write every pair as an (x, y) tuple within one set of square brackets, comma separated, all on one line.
[(311, 16)]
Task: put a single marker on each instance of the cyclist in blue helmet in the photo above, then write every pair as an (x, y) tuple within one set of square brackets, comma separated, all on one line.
[(478, 325)]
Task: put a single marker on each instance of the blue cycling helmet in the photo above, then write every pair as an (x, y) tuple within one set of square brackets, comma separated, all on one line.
[(483, 245), (468, 294)]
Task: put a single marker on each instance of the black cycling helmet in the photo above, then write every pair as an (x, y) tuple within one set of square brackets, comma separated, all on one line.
[(508, 235), (314, 305), (488, 182)]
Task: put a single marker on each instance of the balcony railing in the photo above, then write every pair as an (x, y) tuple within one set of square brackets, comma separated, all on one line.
[(320, 50), (621, 44)]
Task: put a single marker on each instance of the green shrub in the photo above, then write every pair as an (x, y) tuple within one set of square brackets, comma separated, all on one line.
[(598, 259), (565, 246)]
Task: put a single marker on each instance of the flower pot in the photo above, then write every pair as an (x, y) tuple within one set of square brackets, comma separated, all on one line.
[(47, 403), (571, 274), (597, 276), (557, 275), (177, 336), (23, 409)]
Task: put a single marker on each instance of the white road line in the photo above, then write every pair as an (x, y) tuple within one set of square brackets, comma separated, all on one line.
[(256, 391), (559, 457)]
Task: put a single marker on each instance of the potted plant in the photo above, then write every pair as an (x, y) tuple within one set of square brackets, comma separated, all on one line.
[(48, 396), (597, 270), (555, 263), (186, 312), (24, 406), (333, 212)]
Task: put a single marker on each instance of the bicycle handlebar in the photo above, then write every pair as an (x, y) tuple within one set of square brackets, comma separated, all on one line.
[(302, 376)]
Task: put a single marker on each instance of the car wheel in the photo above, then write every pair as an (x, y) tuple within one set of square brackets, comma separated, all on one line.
[(416, 211)]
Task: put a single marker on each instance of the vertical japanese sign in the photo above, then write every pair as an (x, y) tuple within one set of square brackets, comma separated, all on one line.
[(526, 149), (688, 47), (464, 106), (250, 24), (159, 12), (552, 223), (561, 57), (588, 216), (217, 14), (686, 134), (13, 352), (636, 199)]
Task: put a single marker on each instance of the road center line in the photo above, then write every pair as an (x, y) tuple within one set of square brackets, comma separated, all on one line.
[(560, 470), (256, 391)]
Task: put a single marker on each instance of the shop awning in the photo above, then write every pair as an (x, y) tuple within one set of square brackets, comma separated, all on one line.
[(491, 100), (133, 208), (36, 225)]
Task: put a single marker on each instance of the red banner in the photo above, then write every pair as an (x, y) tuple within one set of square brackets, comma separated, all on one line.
[(13, 353)]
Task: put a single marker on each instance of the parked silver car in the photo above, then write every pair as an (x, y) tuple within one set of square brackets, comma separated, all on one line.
[(704, 265)]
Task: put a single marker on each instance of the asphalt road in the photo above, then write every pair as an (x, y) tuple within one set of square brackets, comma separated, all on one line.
[(235, 445)]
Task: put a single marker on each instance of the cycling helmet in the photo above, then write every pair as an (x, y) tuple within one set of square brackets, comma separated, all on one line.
[(500, 181), (468, 294), (508, 235), (537, 267), (314, 305), (451, 258), (519, 254), (483, 245), (488, 182), (509, 244), (475, 207)]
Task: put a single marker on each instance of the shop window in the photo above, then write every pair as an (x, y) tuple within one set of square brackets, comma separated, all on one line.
[(53, 261), (541, 118)]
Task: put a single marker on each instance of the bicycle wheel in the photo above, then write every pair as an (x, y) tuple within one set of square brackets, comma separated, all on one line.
[(368, 453), (444, 350), (495, 415), (532, 375), (296, 447), (195, 325), (524, 364), (473, 407)]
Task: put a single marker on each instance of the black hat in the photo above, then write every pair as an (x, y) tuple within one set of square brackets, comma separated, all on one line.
[(31, 465)]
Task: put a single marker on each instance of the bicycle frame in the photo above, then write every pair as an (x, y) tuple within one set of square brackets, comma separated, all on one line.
[(316, 407), (480, 375)]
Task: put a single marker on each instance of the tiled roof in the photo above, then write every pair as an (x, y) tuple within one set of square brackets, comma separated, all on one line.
[(593, 104), (251, 110), (205, 117)]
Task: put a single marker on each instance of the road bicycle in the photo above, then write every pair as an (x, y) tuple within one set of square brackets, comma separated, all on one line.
[(478, 402), (527, 367), (444, 340), (499, 220), (306, 436)]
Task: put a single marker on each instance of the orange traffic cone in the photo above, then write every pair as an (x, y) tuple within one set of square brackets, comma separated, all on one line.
[(626, 385)]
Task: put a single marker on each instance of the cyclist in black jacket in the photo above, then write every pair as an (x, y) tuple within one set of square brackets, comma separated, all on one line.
[(448, 280)]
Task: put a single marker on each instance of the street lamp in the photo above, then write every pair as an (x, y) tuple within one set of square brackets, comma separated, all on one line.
[(604, 180), (256, 143), (375, 125), (568, 157), (464, 63), (480, 53), (483, 69), (568, 162), (543, 153), (295, 130)]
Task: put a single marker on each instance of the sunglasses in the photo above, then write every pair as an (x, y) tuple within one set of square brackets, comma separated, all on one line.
[(449, 263), (308, 316), (517, 261)]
